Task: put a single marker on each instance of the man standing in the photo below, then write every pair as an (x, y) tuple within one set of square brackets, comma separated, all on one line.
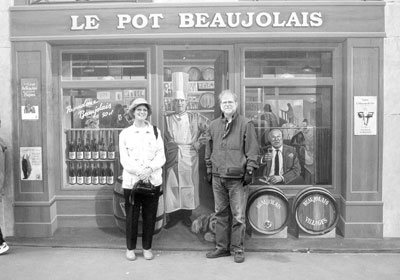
[(280, 163), (182, 139), (231, 156)]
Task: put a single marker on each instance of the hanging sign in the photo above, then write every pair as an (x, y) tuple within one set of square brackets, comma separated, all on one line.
[(365, 115)]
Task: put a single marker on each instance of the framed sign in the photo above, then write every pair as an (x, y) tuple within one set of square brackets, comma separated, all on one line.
[(365, 115)]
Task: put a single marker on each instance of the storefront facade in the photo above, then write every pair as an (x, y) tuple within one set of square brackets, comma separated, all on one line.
[(318, 67)]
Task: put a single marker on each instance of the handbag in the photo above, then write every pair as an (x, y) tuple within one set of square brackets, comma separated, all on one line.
[(147, 188)]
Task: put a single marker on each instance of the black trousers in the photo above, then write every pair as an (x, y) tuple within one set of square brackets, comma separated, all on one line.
[(1, 238), (148, 204)]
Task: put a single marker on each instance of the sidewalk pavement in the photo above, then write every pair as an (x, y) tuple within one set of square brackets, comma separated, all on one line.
[(47, 263), (179, 238)]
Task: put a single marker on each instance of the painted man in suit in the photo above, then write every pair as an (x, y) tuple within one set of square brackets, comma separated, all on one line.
[(279, 164)]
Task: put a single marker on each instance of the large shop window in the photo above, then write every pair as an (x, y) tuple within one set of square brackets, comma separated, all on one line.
[(288, 93), (93, 117)]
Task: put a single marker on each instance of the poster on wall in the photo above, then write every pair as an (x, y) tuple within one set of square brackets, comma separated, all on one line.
[(31, 163), (29, 112), (29, 88), (365, 115)]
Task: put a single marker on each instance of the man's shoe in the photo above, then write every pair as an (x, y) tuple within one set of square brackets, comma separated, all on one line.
[(187, 222), (217, 253), (4, 248), (130, 255), (148, 254), (238, 257)]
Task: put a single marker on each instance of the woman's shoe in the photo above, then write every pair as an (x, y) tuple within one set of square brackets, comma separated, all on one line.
[(148, 254), (130, 255), (4, 248)]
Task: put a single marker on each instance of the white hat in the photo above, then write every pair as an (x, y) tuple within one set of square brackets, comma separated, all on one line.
[(140, 101), (180, 85)]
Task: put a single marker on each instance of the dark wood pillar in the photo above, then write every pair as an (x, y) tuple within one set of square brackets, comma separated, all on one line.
[(361, 194)]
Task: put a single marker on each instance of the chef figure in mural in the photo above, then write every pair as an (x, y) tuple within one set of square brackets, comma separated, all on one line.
[(183, 133)]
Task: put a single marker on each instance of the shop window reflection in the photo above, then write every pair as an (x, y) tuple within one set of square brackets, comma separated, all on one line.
[(303, 114), (104, 66), (288, 64)]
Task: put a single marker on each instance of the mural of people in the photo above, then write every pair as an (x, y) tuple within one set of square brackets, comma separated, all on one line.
[(279, 163), (183, 136), (268, 120), (119, 117)]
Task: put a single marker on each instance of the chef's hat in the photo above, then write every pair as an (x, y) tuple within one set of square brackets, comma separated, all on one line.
[(180, 85)]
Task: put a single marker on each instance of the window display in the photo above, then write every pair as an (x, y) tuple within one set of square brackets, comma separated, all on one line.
[(93, 117), (303, 113)]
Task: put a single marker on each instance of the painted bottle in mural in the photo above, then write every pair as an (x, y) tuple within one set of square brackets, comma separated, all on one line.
[(71, 147), (88, 174), (103, 150), (79, 148), (95, 174), (103, 176), (110, 175), (79, 174), (72, 174), (111, 147), (88, 152), (95, 148)]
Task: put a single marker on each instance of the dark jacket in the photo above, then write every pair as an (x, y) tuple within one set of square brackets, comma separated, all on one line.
[(229, 152)]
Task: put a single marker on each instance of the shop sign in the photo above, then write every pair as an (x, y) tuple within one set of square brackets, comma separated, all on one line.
[(266, 19), (365, 115), (204, 20)]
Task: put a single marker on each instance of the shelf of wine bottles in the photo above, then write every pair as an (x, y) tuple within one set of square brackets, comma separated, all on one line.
[(91, 173), (91, 145), (91, 157)]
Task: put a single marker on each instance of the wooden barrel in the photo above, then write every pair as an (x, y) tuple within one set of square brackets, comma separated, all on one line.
[(120, 215), (316, 210), (267, 210)]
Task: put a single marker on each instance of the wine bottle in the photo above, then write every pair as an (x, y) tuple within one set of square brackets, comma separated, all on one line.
[(111, 148), (103, 150), (110, 175), (103, 177), (71, 146), (79, 148), (88, 152), (95, 175), (95, 149), (79, 174), (88, 174), (72, 175)]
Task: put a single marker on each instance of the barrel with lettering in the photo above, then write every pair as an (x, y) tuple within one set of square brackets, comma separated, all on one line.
[(120, 215), (315, 210), (267, 210)]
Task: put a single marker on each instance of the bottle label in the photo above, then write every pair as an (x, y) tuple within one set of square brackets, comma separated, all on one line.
[(103, 154), (79, 155), (79, 180), (72, 180), (111, 155), (72, 155), (110, 180), (88, 180), (95, 155), (103, 180), (95, 180), (88, 155)]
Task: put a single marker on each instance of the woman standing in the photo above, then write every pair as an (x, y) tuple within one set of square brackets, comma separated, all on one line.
[(142, 157)]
